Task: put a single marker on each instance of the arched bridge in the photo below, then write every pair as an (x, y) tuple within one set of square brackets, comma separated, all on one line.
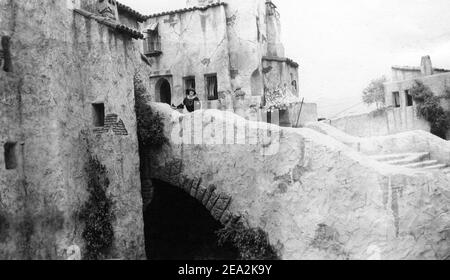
[(314, 196)]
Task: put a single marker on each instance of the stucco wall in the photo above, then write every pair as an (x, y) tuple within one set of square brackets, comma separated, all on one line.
[(61, 66), (279, 74), (437, 84), (193, 44), (247, 33), (416, 141), (380, 123)]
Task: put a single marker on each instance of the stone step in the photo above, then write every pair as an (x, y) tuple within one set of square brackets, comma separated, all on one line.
[(394, 157), (410, 159), (422, 165), (437, 166)]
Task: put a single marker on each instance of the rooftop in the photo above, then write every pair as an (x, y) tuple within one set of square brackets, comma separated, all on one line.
[(413, 68), (125, 9), (135, 34), (185, 10)]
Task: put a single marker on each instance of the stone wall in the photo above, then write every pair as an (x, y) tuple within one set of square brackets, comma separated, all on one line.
[(193, 44), (407, 142), (380, 123), (62, 65), (315, 197)]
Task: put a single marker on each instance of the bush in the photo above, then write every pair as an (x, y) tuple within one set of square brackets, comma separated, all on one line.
[(150, 125), (97, 213), (252, 244), (429, 107)]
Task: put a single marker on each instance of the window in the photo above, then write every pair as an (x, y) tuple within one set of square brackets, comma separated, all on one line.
[(211, 87), (409, 99), (99, 114), (294, 85), (189, 83), (10, 156), (396, 99), (152, 43)]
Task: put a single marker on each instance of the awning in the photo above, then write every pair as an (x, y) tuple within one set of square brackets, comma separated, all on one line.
[(152, 27), (280, 99)]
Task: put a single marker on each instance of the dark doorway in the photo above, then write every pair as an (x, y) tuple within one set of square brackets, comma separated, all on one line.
[(178, 227), (165, 93)]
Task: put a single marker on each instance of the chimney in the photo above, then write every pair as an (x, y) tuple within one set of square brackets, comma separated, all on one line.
[(426, 67)]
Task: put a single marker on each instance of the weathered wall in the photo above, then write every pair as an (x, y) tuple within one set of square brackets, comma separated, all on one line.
[(63, 64), (193, 44), (407, 142), (379, 123), (437, 84), (247, 33), (279, 74), (315, 197), (307, 111)]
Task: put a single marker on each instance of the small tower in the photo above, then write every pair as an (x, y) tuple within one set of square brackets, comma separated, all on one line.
[(426, 67)]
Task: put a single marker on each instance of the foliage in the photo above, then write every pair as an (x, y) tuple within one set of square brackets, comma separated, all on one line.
[(252, 244), (374, 93), (429, 107), (97, 213), (150, 125)]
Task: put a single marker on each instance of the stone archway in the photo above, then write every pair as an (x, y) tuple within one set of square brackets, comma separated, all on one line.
[(216, 202), (182, 215), (178, 226), (163, 91)]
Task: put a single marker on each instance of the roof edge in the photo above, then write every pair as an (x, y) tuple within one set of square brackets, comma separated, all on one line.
[(185, 10)]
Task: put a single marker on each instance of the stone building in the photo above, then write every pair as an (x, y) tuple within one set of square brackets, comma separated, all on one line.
[(400, 114), (67, 94), (402, 103), (67, 85), (230, 52)]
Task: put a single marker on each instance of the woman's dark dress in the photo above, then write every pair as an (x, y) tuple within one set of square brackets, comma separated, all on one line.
[(190, 104)]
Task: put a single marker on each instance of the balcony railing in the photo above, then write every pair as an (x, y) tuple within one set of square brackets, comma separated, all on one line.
[(152, 47)]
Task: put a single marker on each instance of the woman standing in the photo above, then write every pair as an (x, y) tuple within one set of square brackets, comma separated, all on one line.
[(191, 101)]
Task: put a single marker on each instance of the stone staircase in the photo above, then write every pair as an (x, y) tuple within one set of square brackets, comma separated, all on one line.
[(418, 161)]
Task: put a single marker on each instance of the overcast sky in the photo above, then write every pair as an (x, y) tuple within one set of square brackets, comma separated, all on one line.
[(342, 45)]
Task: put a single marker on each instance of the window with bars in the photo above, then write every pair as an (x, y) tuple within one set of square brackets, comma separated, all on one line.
[(211, 87), (189, 83), (152, 44)]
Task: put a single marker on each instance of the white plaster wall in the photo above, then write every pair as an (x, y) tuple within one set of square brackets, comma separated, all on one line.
[(246, 50), (193, 44)]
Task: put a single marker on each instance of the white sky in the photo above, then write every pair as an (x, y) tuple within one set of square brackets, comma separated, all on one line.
[(342, 45)]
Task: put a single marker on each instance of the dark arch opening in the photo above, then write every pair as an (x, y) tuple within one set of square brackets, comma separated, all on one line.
[(164, 90), (178, 227)]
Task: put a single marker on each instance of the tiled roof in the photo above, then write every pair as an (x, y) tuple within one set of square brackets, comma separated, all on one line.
[(123, 8), (112, 24), (131, 32), (185, 10)]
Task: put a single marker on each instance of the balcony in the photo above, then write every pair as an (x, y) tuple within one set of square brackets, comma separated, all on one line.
[(152, 47)]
